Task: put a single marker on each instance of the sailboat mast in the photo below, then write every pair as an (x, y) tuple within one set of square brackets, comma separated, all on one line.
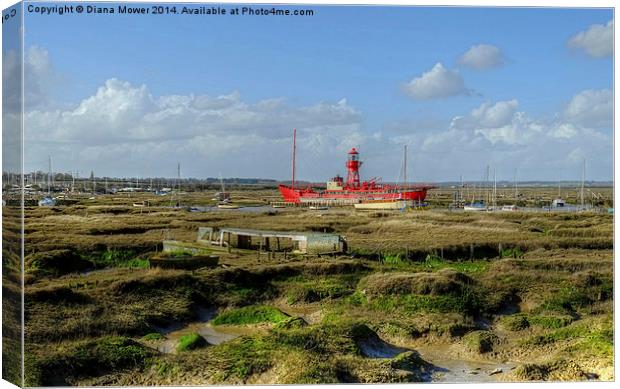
[(294, 151), (486, 186), (405, 167), (516, 191), (494, 189), (49, 174), (583, 178)]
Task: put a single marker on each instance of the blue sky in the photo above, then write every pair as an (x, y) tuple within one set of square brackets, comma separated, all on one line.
[(344, 77)]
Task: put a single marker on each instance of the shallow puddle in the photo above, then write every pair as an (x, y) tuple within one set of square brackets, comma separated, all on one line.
[(452, 370), (213, 334), (445, 367)]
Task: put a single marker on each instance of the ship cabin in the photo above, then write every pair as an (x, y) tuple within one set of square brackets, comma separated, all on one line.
[(277, 241), (335, 183), (558, 203)]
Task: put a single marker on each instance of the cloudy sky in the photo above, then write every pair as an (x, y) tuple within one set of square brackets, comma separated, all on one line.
[(526, 89)]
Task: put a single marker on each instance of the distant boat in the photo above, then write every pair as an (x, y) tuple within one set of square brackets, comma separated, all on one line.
[(227, 206), (476, 206), (318, 207), (558, 203), (510, 208), (385, 205), (47, 202)]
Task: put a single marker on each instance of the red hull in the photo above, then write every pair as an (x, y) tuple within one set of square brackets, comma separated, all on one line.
[(290, 195)]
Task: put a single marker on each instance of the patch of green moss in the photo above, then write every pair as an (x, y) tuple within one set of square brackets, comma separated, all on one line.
[(190, 342), (253, 314), (468, 302), (291, 323), (153, 336), (434, 263), (550, 322)]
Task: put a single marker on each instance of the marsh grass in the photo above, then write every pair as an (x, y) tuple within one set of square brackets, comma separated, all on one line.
[(85, 359), (553, 270)]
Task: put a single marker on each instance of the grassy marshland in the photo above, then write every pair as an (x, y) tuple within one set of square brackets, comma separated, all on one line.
[(532, 289)]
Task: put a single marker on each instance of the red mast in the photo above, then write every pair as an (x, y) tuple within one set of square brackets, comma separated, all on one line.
[(353, 165), (294, 149)]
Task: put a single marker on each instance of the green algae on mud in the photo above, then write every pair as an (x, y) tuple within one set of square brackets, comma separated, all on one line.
[(250, 315), (190, 342)]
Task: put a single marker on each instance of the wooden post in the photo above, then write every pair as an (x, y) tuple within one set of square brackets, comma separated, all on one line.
[(260, 248), (442, 253), (471, 251)]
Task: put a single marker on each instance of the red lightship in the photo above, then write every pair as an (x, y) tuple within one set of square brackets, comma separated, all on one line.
[(353, 190)]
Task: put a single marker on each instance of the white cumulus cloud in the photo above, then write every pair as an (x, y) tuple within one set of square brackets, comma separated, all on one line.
[(495, 115), (124, 125), (436, 83), (596, 41), (501, 135), (482, 56), (591, 108)]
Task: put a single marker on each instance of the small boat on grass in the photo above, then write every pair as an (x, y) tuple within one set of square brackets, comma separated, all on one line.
[(227, 206), (477, 206), (383, 205), (510, 208)]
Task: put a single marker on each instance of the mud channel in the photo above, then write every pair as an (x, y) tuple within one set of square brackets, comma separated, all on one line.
[(446, 368)]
